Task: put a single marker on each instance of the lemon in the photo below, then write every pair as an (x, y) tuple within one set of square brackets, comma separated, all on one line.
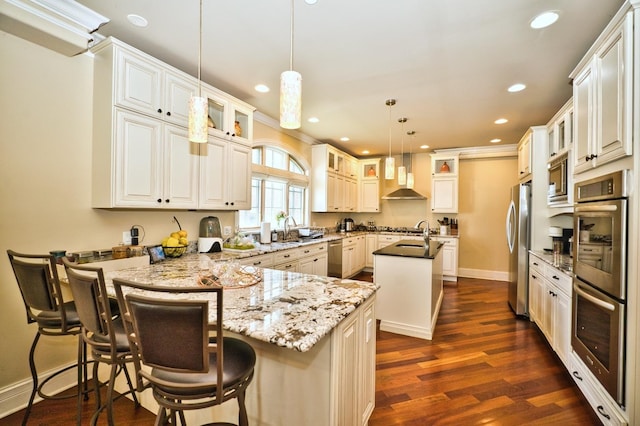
[(182, 233), (183, 241), (173, 242), (175, 235)]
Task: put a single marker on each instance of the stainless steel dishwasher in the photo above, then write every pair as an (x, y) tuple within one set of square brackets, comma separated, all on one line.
[(335, 259)]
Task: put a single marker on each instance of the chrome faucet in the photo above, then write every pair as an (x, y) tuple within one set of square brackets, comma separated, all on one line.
[(425, 233), (286, 226)]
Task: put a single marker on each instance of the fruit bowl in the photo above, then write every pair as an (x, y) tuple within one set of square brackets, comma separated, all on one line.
[(174, 251)]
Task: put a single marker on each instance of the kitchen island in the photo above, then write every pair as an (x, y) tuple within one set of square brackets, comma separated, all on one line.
[(314, 338), (410, 295)]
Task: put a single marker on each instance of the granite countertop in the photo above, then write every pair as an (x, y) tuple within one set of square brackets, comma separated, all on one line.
[(565, 265), (288, 309), (410, 248)]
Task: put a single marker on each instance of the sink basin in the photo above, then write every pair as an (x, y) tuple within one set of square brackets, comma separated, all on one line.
[(421, 246)]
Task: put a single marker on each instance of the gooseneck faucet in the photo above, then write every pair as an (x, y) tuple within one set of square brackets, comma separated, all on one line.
[(425, 233), (286, 226)]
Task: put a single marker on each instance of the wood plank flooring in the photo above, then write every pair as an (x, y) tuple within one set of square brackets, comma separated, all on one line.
[(483, 367)]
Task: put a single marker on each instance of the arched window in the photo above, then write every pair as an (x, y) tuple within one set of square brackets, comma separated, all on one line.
[(278, 184)]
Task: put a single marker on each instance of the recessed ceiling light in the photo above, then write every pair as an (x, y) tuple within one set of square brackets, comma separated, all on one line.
[(137, 20), (365, 152), (313, 120), (501, 121), (496, 140), (516, 87), (311, 1), (424, 146), (262, 88), (544, 19), (344, 139)]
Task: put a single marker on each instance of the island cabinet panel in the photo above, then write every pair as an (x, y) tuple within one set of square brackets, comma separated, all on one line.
[(410, 294)]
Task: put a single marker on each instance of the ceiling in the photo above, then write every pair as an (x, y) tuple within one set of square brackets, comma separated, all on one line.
[(448, 63)]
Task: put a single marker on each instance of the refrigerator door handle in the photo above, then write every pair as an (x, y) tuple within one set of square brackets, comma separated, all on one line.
[(511, 214)]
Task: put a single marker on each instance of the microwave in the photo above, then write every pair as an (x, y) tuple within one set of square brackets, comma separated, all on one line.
[(558, 191)]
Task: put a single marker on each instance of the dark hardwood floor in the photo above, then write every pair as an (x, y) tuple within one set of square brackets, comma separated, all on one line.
[(483, 367)]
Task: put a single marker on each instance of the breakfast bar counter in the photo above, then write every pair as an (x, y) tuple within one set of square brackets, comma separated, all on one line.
[(314, 338)]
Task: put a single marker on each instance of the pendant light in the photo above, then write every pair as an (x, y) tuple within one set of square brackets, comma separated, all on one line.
[(389, 162), (290, 91), (198, 105), (402, 170), (410, 179)]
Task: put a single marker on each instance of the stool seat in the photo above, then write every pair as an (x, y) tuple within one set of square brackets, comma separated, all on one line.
[(53, 319)]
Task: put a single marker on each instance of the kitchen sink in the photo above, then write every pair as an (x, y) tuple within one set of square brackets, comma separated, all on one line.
[(411, 245)]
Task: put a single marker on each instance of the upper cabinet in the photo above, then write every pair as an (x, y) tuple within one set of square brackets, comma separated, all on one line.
[(560, 132), (444, 183), (228, 119), (602, 95), (369, 185), (142, 157), (525, 147)]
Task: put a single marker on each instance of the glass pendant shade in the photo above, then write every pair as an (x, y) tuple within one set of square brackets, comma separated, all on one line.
[(290, 99), (389, 167), (402, 175), (410, 181), (198, 116)]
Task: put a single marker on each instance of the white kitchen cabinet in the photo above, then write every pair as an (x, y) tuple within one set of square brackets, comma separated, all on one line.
[(141, 155), (261, 261), (291, 266), (146, 85), (353, 255), (371, 245), (225, 177), (230, 118), (354, 374), (350, 202), (369, 186), (602, 94), (550, 305), (449, 256), (144, 163), (609, 413), (444, 183), (386, 239), (314, 259), (560, 132), (525, 147)]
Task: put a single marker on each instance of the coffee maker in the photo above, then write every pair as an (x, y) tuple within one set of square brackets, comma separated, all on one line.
[(210, 240)]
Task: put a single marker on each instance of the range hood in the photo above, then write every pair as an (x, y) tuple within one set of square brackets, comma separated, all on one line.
[(404, 194)]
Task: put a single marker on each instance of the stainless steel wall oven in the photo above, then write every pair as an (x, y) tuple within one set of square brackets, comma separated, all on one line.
[(599, 285)]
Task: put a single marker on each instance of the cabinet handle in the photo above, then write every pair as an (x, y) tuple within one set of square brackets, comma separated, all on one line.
[(160, 110), (307, 251), (168, 113), (577, 375), (232, 203), (555, 277), (228, 133), (535, 264), (159, 200), (167, 200), (315, 260), (603, 413), (226, 204), (286, 256), (257, 263)]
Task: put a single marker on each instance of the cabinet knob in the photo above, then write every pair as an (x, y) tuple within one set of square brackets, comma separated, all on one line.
[(226, 204), (169, 113), (167, 200), (232, 203), (228, 133), (577, 375), (160, 110), (159, 200)]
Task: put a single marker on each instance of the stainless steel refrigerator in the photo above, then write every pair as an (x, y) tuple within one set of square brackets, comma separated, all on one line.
[(518, 241)]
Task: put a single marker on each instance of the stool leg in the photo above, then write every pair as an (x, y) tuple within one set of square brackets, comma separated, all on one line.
[(81, 367), (243, 420), (34, 378)]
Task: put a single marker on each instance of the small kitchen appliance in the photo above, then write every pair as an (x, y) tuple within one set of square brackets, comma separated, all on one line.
[(348, 224), (210, 239)]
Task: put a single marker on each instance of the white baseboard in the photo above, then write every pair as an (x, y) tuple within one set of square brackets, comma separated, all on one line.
[(483, 274), (15, 397)]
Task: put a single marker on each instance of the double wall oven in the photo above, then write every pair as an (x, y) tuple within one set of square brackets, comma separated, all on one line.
[(600, 282)]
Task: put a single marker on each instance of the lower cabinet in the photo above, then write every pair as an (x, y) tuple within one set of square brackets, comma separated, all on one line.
[(353, 255), (371, 245), (261, 261), (354, 359), (550, 305), (314, 260), (449, 257), (607, 410)]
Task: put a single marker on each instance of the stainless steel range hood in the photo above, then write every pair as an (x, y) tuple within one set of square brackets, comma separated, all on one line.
[(404, 194)]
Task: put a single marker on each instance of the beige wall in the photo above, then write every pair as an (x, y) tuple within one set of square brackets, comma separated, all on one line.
[(45, 169)]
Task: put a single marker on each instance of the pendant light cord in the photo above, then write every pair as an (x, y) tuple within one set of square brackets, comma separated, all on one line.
[(291, 39), (200, 54)]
